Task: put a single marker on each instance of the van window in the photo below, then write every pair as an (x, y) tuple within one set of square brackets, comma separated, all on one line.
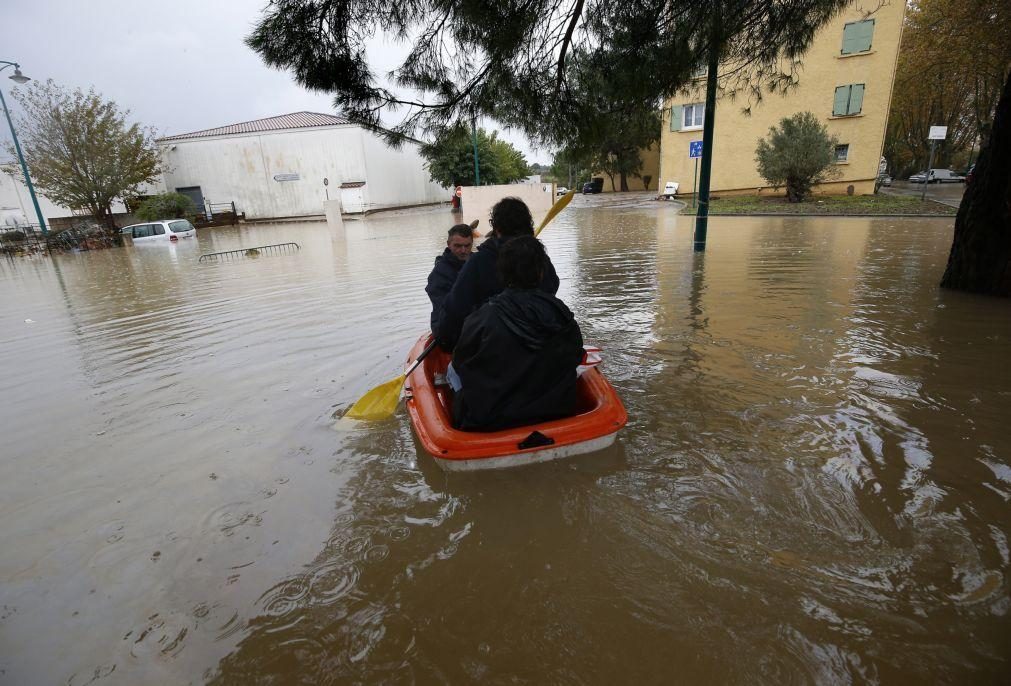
[(159, 230), (180, 226), (142, 231)]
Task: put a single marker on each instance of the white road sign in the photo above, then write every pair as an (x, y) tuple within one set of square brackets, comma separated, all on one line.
[(938, 133)]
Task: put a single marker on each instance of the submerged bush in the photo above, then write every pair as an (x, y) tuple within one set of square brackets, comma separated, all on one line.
[(167, 206)]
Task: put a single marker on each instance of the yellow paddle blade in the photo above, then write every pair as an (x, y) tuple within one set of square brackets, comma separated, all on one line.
[(379, 403), (555, 209)]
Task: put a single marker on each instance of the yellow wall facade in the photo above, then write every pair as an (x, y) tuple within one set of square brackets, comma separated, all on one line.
[(650, 167), (824, 68)]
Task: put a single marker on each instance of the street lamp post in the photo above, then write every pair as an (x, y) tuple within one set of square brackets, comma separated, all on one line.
[(18, 77)]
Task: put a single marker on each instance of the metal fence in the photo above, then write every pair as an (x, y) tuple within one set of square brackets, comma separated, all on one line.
[(29, 240)]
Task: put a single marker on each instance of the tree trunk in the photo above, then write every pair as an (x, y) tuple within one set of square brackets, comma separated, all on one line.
[(980, 258), (624, 181)]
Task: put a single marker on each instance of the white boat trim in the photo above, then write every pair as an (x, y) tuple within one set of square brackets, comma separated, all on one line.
[(474, 464)]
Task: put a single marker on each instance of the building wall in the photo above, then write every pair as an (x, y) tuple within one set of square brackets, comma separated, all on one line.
[(16, 206), (824, 68), (478, 201), (396, 178), (650, 167), (246, 168)]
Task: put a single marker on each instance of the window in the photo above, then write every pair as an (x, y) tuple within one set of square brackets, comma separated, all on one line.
[(159, 230), (848, 100), (842, 153), (857, 37), (180, 226), (142, 231), (693, 115)]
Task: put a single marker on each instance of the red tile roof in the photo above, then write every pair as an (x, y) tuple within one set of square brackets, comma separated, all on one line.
[(295, 120)]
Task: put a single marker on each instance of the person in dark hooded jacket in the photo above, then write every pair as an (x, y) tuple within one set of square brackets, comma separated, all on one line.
[(448, 266), (516, 359), (478, 279)]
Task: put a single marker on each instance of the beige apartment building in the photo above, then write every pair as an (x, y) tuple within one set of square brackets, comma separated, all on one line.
[(846, 81)]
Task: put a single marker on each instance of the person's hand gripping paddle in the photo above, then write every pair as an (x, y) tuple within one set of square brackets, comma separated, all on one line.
[(382, 401)]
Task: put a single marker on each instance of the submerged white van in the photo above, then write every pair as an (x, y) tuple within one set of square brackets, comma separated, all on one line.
[(166, 231)]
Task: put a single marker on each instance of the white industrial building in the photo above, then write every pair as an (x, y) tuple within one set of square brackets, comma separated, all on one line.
[(287, 166)]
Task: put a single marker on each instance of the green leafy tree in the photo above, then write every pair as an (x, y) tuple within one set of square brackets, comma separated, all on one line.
[(166, 206), (954, 57), (509, 60), (451, 158), (80, 149), (798, 154)]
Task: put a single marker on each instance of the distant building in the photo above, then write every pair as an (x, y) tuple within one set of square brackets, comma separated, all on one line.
[(287, 166), (16, 208), (846, 81)]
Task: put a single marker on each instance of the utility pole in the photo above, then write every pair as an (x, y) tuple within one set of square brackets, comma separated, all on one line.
[(477, 167), (709, 119), (18, 77)]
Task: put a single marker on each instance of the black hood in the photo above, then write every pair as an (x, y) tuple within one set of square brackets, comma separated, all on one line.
[(532, 315)]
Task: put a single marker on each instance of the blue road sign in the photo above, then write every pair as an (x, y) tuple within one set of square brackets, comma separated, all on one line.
[(695, 149)]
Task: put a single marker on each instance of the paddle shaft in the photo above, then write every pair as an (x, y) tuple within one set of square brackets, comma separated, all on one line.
[(422, 356)]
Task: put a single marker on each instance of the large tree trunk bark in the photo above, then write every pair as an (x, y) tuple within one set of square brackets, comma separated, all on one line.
[(624, 181), (980, 259)]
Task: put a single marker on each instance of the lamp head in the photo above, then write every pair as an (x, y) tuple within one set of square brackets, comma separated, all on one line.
[(18, 77)]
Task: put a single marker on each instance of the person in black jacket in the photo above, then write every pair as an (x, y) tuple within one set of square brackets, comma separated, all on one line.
[(515, 362), (478, 279), (447, 267)]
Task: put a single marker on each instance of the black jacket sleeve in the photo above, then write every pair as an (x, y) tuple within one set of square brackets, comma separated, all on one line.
[(438, 288), (457, 304)]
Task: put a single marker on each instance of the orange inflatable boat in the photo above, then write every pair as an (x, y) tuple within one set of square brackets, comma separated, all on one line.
[(595, 426)]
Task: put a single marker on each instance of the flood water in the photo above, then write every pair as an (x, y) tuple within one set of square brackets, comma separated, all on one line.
[(813, 486)]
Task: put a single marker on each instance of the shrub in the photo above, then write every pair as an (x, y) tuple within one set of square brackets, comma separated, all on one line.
[(166, 206), (797, 155)]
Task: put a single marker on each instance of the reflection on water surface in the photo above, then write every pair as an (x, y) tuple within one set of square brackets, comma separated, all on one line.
[(813, 485)]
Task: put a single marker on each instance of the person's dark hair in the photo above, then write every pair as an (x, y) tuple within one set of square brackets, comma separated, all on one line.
[(461, 230), (511, 217), (521, 263)]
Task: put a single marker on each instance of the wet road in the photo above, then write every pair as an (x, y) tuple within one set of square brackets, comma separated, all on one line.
[(813, 486)]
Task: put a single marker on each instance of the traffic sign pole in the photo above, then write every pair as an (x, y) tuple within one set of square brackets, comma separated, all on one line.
[(930, 165), (695, 183)]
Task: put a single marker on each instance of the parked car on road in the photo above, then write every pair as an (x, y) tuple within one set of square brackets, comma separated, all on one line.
[(884, 180), (937, 176), (166, 231), (595, 185), (561, 190)]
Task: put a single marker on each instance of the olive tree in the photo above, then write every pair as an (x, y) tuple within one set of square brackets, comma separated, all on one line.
[(797, 155), (81, 150)]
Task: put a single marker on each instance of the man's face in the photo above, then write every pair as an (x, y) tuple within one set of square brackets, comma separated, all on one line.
[(460, 246)]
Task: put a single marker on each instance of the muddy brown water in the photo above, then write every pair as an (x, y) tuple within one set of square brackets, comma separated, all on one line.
[(813, 486)]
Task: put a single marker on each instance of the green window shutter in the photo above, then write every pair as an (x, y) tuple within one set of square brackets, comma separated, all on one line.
[(857, 36), (866, 35), (849, 38), (842, 97), (675, 118), (856, 99)]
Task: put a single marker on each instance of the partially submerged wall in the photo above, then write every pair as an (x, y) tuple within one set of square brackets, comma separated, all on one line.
[(478, 201)]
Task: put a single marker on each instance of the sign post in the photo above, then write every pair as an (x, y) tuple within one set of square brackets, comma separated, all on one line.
[(937, 133), (695, 152)]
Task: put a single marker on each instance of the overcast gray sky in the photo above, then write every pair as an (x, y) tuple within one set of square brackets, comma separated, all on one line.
[(178, 66)]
